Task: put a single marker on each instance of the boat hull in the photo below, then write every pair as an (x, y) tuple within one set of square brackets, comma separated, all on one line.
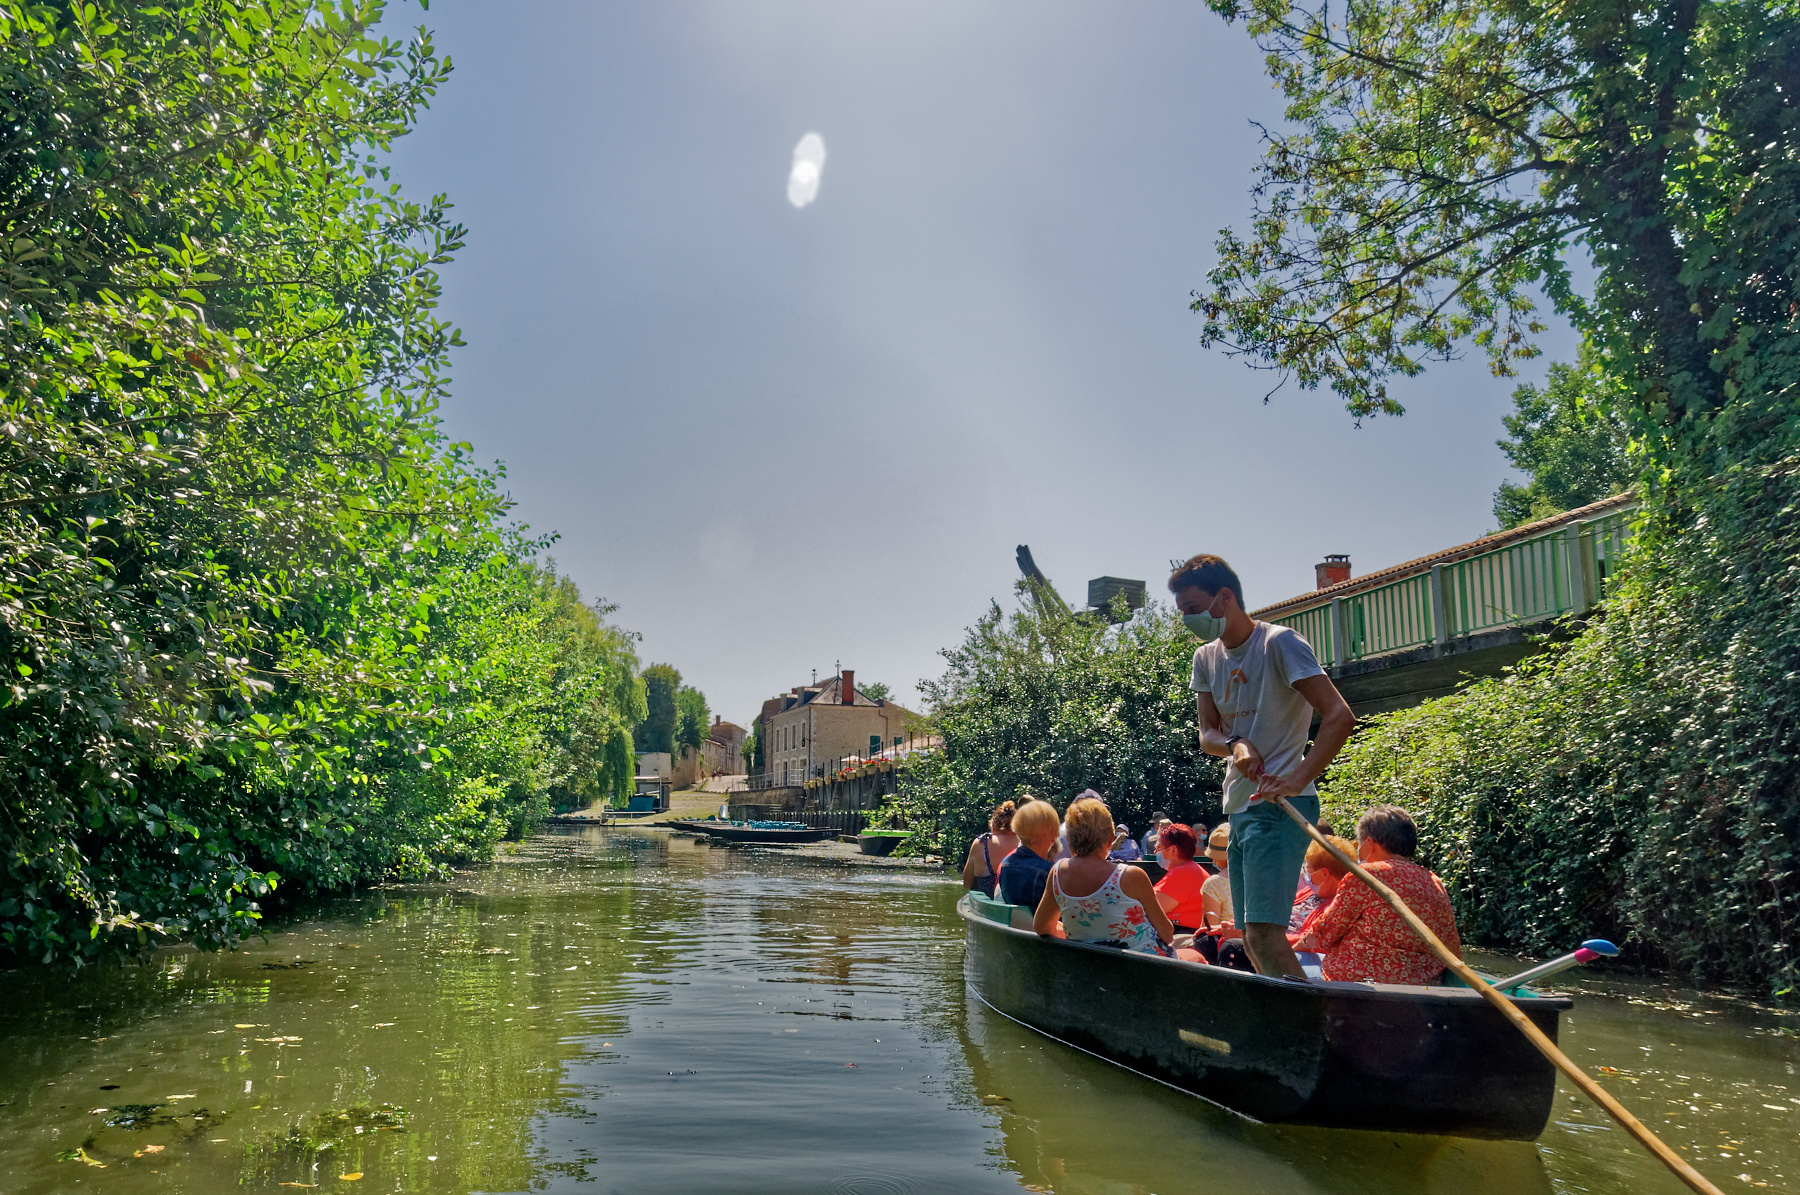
[(1361, 1056), (748, 834)]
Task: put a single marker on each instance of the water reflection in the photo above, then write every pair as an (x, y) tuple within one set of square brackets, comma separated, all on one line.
[(1072, 1122), (622, 1010)]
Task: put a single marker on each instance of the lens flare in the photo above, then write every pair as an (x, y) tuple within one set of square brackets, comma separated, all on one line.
[(809, 164)]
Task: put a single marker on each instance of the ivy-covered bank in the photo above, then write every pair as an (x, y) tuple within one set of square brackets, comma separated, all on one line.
[(263, 628), (1643, 780)]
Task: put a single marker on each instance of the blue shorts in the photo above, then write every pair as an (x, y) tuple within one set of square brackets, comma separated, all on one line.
[(1267, 849)]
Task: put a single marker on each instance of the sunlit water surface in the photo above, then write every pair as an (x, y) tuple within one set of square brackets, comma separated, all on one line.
[(635, 1012)]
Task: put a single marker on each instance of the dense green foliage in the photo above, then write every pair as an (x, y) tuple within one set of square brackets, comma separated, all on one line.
[(1443, 161), (1640, 781), (657, 731), (692, 718), (260, 621), (1443, 158), (1049, 704), (1566, 436), (753, 749)]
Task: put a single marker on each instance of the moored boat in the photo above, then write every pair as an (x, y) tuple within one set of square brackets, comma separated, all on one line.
[(1340, 1055), (761, 833)]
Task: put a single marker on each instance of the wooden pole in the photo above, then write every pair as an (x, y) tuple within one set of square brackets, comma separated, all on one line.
[(1650, 1141)]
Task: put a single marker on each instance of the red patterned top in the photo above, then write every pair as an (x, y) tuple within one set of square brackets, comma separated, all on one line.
[(1362, 939)]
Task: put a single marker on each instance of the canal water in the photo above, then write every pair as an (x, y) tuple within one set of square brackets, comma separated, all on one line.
[(631, 1011)]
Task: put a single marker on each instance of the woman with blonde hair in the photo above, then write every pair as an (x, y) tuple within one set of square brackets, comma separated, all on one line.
[(1098, 900), (987, 851), (1024, 872)]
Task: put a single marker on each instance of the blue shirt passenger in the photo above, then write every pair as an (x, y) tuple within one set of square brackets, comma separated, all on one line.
[(1022, 876)]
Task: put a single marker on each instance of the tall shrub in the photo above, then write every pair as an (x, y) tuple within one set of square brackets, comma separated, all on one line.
[(261, 622), (1050, 704)]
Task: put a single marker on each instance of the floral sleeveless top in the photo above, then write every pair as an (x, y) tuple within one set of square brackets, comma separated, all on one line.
[(1107, 915)]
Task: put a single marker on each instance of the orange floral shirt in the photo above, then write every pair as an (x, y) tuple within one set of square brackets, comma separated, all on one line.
[(1362, 939)]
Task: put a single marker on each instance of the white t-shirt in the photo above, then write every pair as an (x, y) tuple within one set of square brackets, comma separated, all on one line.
[(1253, 686)]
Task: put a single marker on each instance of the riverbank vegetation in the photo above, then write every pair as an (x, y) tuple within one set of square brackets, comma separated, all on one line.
[(1439, 167), (1050, 704), (262, 624), (1441, 172)]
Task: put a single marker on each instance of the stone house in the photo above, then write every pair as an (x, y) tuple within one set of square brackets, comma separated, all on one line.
[(810, 727), (723, 750)]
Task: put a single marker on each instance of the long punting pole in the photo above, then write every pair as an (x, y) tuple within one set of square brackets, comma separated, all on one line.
[(1521, 1022)]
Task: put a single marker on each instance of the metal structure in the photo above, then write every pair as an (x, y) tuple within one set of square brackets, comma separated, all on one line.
[(1562, 571), (1043, 594)]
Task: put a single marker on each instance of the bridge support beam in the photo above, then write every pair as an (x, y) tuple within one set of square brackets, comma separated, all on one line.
[(1440, 622)]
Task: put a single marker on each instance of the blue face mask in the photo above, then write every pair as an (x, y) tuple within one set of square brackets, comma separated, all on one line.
[(1206, 627)]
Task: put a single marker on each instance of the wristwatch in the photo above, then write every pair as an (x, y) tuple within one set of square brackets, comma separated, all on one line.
[(1233, 741)]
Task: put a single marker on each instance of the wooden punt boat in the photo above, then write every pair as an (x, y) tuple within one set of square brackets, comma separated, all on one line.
[(760, 835), (1339, 1055)]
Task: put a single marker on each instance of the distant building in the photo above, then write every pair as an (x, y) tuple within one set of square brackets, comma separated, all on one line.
[(723, 750), (810, 727)]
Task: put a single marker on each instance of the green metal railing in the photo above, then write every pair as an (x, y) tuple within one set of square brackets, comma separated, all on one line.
[(1607, 536), (1314, 626), (1522, 582), (1392, 618), (1564, 571)]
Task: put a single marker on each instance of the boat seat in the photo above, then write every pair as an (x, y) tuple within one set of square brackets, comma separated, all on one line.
[(996, 910)]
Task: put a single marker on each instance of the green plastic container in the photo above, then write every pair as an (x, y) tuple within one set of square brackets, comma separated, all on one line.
[(881, 842)]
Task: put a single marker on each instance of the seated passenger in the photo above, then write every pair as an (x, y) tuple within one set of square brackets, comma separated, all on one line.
[(1324, 872), (1096, 899), (1124, 846), (988, 850), (1022, 873), (1360, 937), (1318, 882), (1215, 894), (1220, 941), (1159, 821), (1179, 890)]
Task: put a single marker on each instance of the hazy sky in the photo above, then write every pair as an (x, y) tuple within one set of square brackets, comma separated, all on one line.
[(780, 438)]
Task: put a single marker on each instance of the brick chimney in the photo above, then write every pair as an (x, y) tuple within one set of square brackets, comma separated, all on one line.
[(1333, 570), (848, 696)]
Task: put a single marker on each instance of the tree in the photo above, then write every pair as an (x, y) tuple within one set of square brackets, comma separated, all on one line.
[(692, 719), (1050, 703), (875, 691), (753, 749), (1445, 162), (1445, 159), (657, 731), (1568, 439), (261, 622)]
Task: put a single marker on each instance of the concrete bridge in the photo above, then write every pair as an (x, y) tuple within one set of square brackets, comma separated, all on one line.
[(1394, 638)]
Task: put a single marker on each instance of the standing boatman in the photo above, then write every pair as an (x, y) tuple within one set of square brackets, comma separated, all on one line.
[(1257, 686)]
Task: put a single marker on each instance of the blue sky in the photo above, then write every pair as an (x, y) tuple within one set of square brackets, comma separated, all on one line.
[(782, 439)]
